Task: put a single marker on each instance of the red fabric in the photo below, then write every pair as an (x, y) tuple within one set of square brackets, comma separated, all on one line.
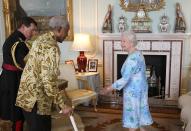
[(18, 126), (10, 67)]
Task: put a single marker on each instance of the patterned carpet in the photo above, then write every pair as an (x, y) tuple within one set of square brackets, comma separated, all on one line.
[(165, 119), (108, 118), (112, 122)]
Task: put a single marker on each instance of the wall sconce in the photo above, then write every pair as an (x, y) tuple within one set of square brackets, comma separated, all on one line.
[(81, 43)]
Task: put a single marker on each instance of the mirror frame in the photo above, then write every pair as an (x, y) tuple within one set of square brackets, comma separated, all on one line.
[(9, 9), (135, 6)]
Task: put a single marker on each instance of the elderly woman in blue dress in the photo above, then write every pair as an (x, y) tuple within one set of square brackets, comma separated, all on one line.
[(136, 112)]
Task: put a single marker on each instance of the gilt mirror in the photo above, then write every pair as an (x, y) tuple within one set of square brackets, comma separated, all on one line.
[(149, 5), (40, 10)]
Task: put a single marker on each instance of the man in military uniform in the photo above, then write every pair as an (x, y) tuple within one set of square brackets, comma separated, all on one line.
[(38, 87), (14, 52)]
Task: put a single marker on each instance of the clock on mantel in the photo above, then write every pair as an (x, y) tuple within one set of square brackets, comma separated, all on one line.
[(141, 23)]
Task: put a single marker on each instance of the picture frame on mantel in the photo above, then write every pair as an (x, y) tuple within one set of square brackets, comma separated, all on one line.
[(149, 5), (41, 11)]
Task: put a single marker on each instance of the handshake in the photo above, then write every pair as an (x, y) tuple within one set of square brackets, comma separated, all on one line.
[(106, 90)]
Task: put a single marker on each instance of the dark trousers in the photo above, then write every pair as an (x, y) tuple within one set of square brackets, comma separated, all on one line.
[(9, 84), (37, 122)]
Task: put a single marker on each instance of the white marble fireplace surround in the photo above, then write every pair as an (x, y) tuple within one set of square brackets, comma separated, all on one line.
[(170, 45)]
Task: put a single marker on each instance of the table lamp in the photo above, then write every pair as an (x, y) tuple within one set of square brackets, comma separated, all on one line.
[(81, 43)]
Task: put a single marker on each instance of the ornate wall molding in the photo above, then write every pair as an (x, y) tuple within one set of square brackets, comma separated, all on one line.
[(10, 9), (2, 31), (8, 12)]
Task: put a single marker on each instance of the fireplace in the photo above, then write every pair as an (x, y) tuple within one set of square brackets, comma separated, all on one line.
[(156, 65), (162, 51)]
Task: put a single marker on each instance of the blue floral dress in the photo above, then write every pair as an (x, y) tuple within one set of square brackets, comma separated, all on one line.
[(135, 92)]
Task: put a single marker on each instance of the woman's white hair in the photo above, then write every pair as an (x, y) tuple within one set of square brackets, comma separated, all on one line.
[(56, 22), (131, 36)]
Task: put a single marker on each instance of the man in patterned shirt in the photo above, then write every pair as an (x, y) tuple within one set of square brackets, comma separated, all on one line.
[(38, 88)]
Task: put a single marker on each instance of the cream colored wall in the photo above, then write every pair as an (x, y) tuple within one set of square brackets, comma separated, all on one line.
[(89, 14), (88, 17)]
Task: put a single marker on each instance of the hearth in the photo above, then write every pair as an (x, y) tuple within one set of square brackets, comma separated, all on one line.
[(156, 67), (161, 51)]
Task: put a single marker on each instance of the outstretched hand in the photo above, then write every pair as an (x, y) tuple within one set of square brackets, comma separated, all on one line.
[(106, 90)]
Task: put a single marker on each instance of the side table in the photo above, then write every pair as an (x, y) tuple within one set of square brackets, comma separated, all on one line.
[(93, 79)]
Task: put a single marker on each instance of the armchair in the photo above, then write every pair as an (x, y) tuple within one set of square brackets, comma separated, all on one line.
[(72, 92)]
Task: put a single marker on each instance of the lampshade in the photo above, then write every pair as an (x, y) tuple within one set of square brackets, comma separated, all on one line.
[(81, 42)]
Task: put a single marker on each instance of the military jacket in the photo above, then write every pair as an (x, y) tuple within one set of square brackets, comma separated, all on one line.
[(39, 78), (15, 49)]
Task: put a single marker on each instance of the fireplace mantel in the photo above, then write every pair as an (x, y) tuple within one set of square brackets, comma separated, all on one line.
[(170, 45), (149, 36)]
